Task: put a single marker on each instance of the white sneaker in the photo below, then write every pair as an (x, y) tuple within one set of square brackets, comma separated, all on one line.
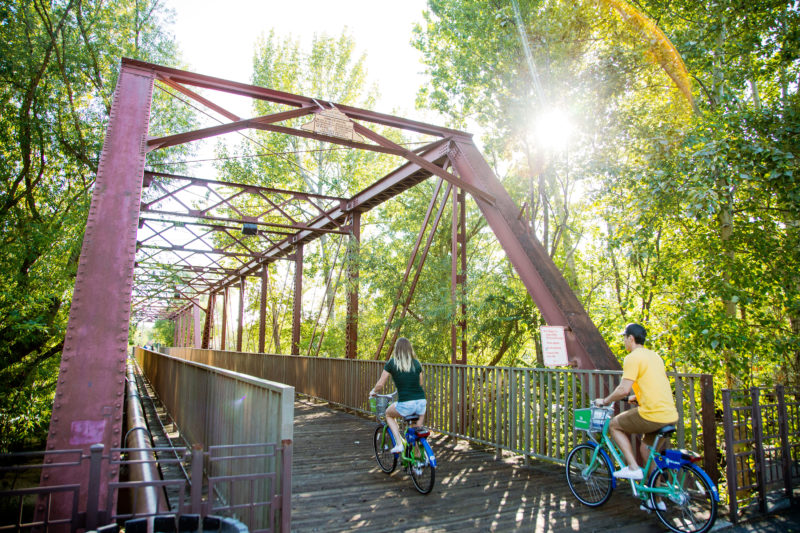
[(647, 506), (397, 449), (629, 473)]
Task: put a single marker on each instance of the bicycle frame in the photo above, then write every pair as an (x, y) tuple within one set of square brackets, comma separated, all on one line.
[(670, 460), (410, 438)]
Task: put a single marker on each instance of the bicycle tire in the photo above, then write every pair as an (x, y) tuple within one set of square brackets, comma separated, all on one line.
[(591, 483), (382, 443), (692, 508), (423, 474)]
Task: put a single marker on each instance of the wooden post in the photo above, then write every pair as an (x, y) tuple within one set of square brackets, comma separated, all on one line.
[(758, 437), (786, 450), (708, 414)]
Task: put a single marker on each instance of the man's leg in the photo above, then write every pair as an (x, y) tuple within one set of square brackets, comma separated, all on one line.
[(623, 441)]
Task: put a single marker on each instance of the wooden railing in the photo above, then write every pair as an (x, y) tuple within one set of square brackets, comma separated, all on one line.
[(762, 446), (527, 411)]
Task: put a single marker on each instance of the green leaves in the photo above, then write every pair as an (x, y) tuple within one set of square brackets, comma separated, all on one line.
[(58, 67)]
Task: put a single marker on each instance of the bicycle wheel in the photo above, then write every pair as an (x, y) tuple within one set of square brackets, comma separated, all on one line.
[(382, 444), (422, 473), (690, 507), (590, 482)]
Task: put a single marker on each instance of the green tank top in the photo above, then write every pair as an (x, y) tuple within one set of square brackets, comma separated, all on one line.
[(407, 383)]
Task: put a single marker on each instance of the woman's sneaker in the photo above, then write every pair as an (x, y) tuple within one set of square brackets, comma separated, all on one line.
[(629, 473), (397, 449)]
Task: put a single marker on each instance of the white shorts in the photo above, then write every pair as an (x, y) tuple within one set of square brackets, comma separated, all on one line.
[(412, 407)]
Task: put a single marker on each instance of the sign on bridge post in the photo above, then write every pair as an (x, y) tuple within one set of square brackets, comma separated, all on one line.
[(554, 346)]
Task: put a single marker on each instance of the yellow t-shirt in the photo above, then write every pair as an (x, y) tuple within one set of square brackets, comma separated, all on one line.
[(650, 384)]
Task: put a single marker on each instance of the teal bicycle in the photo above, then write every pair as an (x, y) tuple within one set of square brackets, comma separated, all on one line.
[(417, 457), (680, 492)]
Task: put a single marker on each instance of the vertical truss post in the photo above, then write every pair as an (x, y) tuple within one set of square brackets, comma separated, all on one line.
[(262, 314), (187, 328), (208, 327), (351, 333), (297, 306), (175, 329), (240, 325), (96, 341), (182, 322), (197, 329), (458, 272), (222, 336)]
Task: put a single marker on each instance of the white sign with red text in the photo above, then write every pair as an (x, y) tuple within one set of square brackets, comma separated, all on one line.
[(554, 346)]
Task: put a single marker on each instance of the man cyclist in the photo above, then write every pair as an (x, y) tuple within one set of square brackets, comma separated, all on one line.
[(643, 373)]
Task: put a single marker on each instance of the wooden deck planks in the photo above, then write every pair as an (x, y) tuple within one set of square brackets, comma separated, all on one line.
[(337, 486)]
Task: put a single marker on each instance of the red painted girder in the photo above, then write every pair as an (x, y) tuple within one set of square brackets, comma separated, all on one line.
[(156, 143), (414, 158), (280, 97), (249, 188), (88, 403), (198, 98), (548, 288)]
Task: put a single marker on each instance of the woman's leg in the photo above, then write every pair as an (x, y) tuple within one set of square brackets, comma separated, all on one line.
[(391, 415)]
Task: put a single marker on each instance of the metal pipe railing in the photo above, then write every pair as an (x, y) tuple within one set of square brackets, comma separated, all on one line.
[(149, 499)]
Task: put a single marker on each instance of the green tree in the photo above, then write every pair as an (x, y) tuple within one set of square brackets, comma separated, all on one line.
[(691, 225), (58, 67)]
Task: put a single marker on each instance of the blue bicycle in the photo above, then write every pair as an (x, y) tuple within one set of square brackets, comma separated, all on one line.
[(680, 492), (417, 456)]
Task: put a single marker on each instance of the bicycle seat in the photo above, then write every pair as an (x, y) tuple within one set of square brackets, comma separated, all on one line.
[(411, 418), (666, 430)]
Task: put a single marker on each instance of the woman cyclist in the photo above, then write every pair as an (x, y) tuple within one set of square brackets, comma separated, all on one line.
[(406, 372)]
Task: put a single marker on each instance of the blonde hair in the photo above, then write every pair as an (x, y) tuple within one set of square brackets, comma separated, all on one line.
[(403, 355)]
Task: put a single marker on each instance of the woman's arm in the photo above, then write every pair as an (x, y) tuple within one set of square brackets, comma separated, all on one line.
[(381, 382)]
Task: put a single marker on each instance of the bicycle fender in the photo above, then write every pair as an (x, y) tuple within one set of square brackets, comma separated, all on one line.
[(608, 461), (431, 457), (674, 459), (708, 480)]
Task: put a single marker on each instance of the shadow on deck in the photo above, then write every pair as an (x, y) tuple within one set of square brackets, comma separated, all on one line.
[(337, 486)]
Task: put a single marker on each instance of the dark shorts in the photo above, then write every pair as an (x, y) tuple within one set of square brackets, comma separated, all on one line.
[(631, 422)]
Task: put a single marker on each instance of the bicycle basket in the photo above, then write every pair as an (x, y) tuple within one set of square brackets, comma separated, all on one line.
[(381, 403), (591, 418)]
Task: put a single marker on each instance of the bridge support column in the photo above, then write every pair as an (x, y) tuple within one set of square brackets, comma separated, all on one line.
[(458, 277), (208, 326), (87, 409), (240, 325), (262, 314), (222, 337), (351, 333), (297, 307), (197, 326)]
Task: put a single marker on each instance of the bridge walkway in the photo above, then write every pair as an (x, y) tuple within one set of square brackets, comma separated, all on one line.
[(337, 486)]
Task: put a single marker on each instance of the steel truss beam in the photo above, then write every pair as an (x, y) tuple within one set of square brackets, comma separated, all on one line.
[(93, 359)]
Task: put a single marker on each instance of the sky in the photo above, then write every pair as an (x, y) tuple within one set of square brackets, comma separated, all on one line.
[(218, 38)]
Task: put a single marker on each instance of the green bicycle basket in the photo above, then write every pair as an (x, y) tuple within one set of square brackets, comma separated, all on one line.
[(591, 418)]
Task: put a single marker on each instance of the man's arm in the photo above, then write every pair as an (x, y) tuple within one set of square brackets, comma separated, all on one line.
[(623, 390)]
